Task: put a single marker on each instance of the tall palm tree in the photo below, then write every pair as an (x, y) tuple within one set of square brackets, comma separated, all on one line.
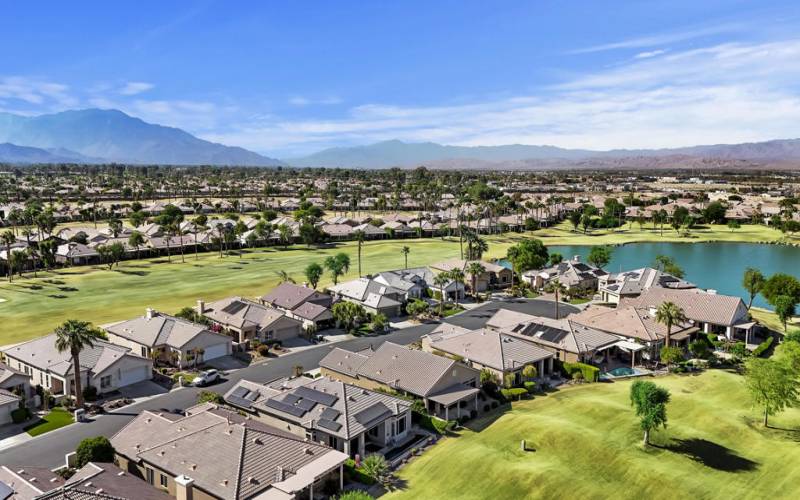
[(457, 275), (475, 269), (7, 238), (557, 288), (405, 251), (359, 236), (136, 240), (669, 314), (284, 276), (441, 280), (74, 336)]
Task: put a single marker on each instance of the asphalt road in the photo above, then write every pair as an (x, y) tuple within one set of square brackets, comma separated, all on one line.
[(49, 449)]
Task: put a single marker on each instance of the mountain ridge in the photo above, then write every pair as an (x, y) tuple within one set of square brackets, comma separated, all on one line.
[(114, 136)]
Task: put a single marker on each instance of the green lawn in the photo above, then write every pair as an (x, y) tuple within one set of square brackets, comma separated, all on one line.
[(57, 418), (586, 444)]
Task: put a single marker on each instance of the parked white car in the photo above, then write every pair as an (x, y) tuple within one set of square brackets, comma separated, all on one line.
[(205, 378)]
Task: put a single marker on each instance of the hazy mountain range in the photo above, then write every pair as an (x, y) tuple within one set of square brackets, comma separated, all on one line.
[(98, 136), (111, 135)]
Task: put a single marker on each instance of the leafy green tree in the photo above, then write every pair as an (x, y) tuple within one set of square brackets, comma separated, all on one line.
[(379, 322), (7, 239), (733, 225), (785, 308), (753, 282), (529, 372), (650, 402), (337, 265), (528, 254), (600, 256), (136, 240), (313, 273), (284, 277), (457, 275), (440, 281), (355, 495), (671, 355), (781, 284), (772, 385), (75, 336), (556, 258), (417, 308), (668, 265), (94, 449), (789, 353), (348, 314)]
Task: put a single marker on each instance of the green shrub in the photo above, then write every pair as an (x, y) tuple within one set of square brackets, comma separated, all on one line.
[(514, 394), (209, 397), (263, 350), (90, 393), (355, 474), (530, 387), (433, 424), (20, 415), (96, 449), (588, 372), (762, 347)]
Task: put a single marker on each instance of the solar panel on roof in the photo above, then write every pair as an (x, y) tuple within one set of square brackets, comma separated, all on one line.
[(5, 491), (240, 402), (368, 415), (280, 406), (329, 424), (291, 398), (329, 414), (316, 396), (233, 307), (251, 396), (306, 404), (240, 392)]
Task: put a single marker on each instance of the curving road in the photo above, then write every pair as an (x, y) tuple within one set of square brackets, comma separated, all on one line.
[(48, 450)]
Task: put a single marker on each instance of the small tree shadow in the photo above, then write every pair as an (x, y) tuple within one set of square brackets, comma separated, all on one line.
[(57, 296), (133, 273), (711, 455)]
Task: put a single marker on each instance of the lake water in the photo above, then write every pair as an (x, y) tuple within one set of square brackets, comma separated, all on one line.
[(718, 266)]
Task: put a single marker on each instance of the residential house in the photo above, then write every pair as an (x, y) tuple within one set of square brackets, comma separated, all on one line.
[(247, 320), (613, 287), (93, 481), (568, 340), (494, 276), (76, 254), (497, 352), (374, 296), (343, 416), (169, 339), (305, 304), (212, 453), (711, 312), (448, 388), (575, 275), (105, 366), (15, 388)]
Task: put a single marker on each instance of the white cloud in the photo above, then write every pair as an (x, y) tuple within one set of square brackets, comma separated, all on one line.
[(37, 92), (305, 101), (661, 39), (649, 54), (133, 88), (720, 94)]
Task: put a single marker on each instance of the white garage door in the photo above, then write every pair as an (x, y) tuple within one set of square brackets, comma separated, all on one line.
[(133, 375), (215, 351)]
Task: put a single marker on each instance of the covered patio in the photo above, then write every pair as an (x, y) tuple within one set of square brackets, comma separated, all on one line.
[(453, 402)]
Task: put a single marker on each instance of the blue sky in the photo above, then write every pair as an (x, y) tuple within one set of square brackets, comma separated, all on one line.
[(289, 78)]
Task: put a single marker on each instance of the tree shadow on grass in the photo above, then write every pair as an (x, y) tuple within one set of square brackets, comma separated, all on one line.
[(711, 455), (57, 296), (132, 273)]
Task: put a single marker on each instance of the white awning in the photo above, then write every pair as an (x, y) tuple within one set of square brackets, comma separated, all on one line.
[(627, 345)]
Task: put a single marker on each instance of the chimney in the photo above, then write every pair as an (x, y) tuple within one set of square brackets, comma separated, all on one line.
[(184, 486), (279, 476), (577, 258), (201, 306), (149, 312)]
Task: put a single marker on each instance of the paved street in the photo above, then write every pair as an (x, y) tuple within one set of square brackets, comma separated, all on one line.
[(49, 449)]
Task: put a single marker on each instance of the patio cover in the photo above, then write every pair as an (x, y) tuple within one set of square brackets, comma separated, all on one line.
[(745, 326), (684, 334), (453, 394), (626, 345), (307, 474)]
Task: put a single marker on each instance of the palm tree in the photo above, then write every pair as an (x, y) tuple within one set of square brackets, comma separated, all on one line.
[(475, 269), (7, 238), (74, 336), (668, 314), (405, 251), (136, 240), (359, 236), (557, 288), (441, 280), (284, 276), (457, 275)]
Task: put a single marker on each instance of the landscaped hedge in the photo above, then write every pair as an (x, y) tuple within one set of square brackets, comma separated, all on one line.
[(432, 423), (762, 347), (514, 394), (530, 387), (355, 474), (20, 415), (590, 373)]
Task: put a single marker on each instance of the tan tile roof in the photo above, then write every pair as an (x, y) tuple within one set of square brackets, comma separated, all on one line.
[(696, 304)]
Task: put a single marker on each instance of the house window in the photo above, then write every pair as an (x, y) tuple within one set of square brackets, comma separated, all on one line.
[(401, 425), (144, 351), (163, 480), (105, 382), (150, 475)]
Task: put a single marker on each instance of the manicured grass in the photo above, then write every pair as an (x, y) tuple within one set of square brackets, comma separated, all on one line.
[(564, 234), (584, 442), (770, 319), (57, 418), (33, 307)]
